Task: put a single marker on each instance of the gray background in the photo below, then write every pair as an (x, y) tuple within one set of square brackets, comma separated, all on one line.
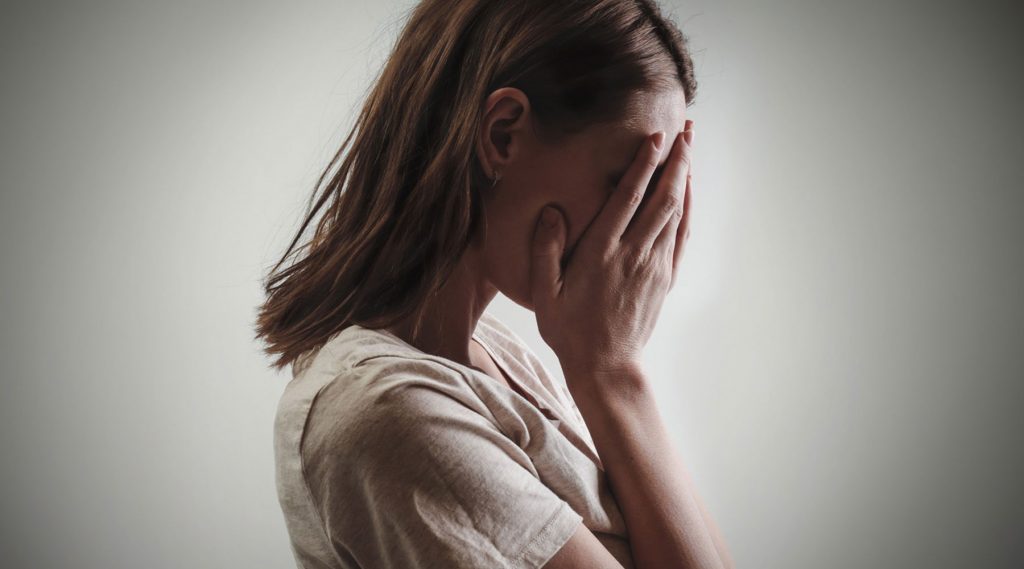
[(840, 365)]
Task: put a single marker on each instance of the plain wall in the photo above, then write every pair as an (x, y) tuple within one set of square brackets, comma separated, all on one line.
[(840, 363)]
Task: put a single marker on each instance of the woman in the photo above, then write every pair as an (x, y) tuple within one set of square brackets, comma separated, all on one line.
[(530, 147)]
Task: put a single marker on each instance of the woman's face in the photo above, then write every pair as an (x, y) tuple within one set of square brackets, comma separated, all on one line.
[(577, 175)]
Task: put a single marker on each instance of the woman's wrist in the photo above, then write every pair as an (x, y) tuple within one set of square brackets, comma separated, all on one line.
[(603, 382)]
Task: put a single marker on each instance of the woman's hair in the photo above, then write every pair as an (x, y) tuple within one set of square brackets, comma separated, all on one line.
[(403, 203)]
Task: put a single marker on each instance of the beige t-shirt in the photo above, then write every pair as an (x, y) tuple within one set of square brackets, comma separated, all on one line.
[(389, 457)]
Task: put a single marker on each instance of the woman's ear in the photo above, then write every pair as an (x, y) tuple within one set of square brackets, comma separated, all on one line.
[(502, 129)]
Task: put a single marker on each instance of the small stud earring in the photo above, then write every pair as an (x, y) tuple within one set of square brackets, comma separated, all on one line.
[(497, 176)]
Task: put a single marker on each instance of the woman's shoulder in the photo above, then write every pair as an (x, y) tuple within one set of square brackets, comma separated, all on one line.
[(364, 365), (363, 376), (358, 352), (360, 375)]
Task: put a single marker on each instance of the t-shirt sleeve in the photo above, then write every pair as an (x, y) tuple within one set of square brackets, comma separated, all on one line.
[(441, 486)]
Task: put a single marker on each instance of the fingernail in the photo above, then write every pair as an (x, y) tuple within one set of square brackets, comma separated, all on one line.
[(549, 217), (659, 139), (688, 135)]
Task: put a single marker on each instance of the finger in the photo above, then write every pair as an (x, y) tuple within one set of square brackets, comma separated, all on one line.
[(663, 245), (683, 231), (666, 199), (546, 254), (618, 210)]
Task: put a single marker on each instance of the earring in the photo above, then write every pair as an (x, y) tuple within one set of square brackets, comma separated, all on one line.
[(497, 176)]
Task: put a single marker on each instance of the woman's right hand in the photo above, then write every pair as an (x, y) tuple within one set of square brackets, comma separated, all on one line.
[(598, 312)]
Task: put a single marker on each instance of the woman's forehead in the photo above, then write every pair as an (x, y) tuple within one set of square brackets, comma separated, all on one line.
[(646, 114)]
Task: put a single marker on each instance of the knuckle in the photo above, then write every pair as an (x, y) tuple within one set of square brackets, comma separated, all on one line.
[(601, 256), (671, 205), (684, 159), (606, 258), (635, 196), (631, 261), (636, 265), (664, 273)]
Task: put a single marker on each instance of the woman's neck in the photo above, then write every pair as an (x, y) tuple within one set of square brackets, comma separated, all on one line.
[(451, 316)]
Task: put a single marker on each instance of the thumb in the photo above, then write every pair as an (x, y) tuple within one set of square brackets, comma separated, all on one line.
[(548, 245)]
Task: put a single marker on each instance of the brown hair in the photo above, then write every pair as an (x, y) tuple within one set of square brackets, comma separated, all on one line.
[(403, 203)]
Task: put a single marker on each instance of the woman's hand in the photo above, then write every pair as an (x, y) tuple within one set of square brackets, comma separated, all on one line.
[(598, 313)]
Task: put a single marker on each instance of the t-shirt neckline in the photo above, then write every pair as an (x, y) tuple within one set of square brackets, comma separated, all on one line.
[(537, 401), (558, 413)]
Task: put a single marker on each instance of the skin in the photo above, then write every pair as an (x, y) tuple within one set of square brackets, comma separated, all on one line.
[(595, 278), (577, 176)]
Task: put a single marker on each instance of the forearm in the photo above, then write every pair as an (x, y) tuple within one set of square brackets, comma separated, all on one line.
[(667, 523)]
